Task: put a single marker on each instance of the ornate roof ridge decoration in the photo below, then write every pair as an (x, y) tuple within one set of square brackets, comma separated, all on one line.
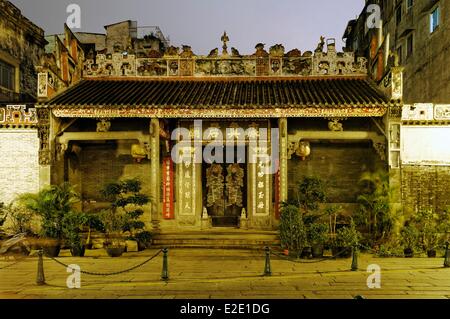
[(18, 116), (185, 63)]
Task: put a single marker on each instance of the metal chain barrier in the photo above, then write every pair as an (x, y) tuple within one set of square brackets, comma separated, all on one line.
[(108, 274)]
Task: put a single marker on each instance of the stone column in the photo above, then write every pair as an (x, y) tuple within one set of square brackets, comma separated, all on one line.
[(283, 191), (43, 130), (393, 124), (155, 177)]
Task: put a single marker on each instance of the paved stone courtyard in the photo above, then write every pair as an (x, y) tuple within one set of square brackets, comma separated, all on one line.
[(225, 274)]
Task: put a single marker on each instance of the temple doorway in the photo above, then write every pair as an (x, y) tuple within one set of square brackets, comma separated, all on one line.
[(225, 190)]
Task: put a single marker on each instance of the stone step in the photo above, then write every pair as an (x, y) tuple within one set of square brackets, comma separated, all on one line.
[(217, 239)]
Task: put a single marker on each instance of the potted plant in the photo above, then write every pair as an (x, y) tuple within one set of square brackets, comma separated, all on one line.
[(427, 223), (123, 217), (292, 229), (113, 222), (409, 235), (93, 223), (73, 224), (318, 235), (310, 192), (51, 204), (346, 239), (144, 239)]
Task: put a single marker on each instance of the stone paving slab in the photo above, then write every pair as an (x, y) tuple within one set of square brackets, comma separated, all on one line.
[(226, 274)]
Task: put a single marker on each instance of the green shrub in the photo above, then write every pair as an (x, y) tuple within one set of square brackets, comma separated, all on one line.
[(292, 229)]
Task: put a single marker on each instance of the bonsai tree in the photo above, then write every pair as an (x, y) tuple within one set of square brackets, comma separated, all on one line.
[(292, 229), (93, 223), (317, 236), (51, 204), (409, 238), (347, 238), (310, 192), (127, 203), (332, 212)]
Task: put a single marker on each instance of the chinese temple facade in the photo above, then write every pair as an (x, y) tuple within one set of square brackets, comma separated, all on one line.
[(217, 140)]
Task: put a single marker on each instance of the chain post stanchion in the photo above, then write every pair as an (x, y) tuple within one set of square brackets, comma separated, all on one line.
[(165, 269), (40, 279), (447, 256), (354, 266), (267, 268)]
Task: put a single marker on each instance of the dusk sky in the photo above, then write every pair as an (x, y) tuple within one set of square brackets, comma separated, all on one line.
[(200, 23)]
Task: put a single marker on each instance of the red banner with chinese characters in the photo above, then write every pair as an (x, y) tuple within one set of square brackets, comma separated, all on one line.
[(168, 188)]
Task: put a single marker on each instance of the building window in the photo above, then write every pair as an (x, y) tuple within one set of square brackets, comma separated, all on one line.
[(409, 4), (409, 45), (435, 19), (398, 15), (7, 76)]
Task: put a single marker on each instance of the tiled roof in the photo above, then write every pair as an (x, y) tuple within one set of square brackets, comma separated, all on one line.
[(223, 93)]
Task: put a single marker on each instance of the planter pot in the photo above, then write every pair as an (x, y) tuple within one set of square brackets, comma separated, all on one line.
[(78, 251), (51, 250), (306, 253), (286, 252), (88, 246), (341, 252), (141, 246), (431, 253), (115, 251), (409, 253), (317, 251)]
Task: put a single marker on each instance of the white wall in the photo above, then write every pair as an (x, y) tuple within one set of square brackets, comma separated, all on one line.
[(19, 163), (428, 145)]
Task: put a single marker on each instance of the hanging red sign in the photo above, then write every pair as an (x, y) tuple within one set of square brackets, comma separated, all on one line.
[(167, 175)]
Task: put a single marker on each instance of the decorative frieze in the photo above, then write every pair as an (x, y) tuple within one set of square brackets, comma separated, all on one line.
[(18, 116), (96, 112), (261, 63), (43, 116)]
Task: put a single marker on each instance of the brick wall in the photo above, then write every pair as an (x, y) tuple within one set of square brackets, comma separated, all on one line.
[(101, 164), (339, 165), (425, 187), (19, 167)]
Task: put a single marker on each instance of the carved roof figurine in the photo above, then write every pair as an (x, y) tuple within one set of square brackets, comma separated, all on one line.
[(154, 54), (320, 45), (214, 53), (224, 39), (277, 50), (331, 45), (260, 52), (294, 53), (187, 52), (172, 51), (235, 53)]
